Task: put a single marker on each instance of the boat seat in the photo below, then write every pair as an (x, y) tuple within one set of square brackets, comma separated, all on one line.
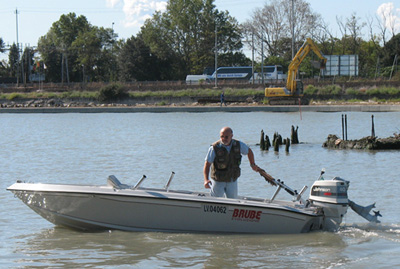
[(116, 184)]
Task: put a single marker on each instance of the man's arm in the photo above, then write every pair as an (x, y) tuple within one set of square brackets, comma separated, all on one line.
[(253, 165), (206, 172)]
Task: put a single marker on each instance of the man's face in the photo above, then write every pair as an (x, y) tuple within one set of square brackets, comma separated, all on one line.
[(226, 137)]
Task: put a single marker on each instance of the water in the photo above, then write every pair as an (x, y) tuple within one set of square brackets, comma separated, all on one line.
[(86, 148)]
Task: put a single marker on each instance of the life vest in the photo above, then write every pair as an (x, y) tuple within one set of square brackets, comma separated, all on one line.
[(226, 165)]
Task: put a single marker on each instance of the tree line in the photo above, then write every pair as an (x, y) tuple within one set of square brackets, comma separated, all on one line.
[(190, 36)]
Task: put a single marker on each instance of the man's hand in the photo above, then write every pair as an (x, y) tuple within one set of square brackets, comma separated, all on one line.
[(267, 177), (207, 184)]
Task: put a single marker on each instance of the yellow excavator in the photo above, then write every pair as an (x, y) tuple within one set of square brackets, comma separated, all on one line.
[(292, 93)]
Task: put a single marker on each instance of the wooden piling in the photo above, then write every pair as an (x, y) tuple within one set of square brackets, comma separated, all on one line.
[(373, 127), (287, 144), (267, 143), (262, 142), (294, 135), (276, 145)]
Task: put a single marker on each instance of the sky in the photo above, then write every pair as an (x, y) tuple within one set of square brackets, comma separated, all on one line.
[(127, 16)]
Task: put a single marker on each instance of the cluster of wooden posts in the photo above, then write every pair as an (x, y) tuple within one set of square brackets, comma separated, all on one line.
[(277, 140)]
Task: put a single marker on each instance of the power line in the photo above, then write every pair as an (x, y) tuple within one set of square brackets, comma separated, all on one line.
[(61, 10)]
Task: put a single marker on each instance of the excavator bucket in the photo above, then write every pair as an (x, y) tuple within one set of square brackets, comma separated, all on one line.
[(319, 64), (323, 64)]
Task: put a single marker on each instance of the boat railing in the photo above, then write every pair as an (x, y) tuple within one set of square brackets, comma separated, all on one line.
[(139, 182), (281, 185), (169, 181)]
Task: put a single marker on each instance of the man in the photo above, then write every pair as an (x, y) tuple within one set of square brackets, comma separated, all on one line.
[(224, 158), (223, 99)]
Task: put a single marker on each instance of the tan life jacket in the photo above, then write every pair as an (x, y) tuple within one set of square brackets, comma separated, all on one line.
[(226, 166)]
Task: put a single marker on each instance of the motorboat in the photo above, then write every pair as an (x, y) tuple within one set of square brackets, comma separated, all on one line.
[(134, 208)]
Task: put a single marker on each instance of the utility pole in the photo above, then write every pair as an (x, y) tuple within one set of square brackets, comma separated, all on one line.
[(16, 25), (262, 58), (292, 26), (112, 51), (252, 55), (216, 57)]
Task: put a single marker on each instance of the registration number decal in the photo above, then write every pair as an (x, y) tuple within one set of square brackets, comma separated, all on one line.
[(215, 209)]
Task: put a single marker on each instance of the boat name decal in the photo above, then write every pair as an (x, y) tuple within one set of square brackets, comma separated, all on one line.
[(321, 189), (215, 209), (246, 215)]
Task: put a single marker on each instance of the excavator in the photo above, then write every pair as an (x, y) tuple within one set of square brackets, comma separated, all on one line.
[(292, 93)]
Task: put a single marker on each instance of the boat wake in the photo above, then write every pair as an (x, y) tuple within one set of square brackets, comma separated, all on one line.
[(372, 230)]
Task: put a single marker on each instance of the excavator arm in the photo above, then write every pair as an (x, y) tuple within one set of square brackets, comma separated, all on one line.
[(298, 59), (293, 87)]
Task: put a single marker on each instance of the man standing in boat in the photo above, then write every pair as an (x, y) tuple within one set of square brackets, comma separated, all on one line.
[(224, 158)]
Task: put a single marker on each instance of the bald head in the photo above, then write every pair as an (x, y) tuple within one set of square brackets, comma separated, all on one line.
[(226, 135)]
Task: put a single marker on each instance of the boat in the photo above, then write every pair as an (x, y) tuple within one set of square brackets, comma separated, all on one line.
[(118, 206)]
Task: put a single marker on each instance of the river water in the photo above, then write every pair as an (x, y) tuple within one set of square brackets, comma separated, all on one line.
[(86, 148)]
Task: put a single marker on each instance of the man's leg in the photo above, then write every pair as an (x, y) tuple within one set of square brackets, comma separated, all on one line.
[(231, 189), (217, 188)]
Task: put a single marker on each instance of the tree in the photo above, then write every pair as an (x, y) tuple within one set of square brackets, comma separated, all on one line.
[(390, 50), (2, 45), (91, 47), (53, 56), (184, 35), (136, 62), (13, 60), (273, 23), (3, 64), (27, 63), (355, 27), (74, 50)]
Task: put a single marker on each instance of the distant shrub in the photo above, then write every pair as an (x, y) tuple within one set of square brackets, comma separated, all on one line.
[(330, 90), (390, 91), (310, 90), (373, 91), (14, 95), (112, 92), (351, 91)]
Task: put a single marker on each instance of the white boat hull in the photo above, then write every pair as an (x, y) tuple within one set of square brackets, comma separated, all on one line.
[(104, 207)]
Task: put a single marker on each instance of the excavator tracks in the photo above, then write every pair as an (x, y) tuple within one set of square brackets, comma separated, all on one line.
[(287, 101)]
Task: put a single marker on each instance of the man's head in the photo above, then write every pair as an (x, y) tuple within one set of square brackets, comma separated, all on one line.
[(226, 135)]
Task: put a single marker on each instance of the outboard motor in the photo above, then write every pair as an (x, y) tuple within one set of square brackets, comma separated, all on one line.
[(331, 196)]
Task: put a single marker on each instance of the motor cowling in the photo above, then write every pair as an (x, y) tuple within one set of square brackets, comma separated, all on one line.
[(330, 191), (331, 196)]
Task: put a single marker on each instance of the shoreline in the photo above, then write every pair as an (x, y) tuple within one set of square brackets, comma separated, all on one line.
[(205, 108)]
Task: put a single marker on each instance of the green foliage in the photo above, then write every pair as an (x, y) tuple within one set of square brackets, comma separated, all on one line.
[(80, 50), (184, 36), (390, 91), (310, 90), (14, 95), (13, 60), (330, 90), (391, 49), (112, 92), (373, 91), (351, 91), (137, 63), (2, 45)]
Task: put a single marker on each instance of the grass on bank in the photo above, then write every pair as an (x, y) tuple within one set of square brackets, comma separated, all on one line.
[(114, 92)]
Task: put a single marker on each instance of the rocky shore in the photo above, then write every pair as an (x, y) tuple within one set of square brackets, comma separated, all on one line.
[(188, 104), (369, 142)]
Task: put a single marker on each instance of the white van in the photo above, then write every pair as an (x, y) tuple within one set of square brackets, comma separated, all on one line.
[(197, 79)]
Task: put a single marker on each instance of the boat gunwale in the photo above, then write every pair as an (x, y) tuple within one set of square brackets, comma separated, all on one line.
[(195, 197)]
